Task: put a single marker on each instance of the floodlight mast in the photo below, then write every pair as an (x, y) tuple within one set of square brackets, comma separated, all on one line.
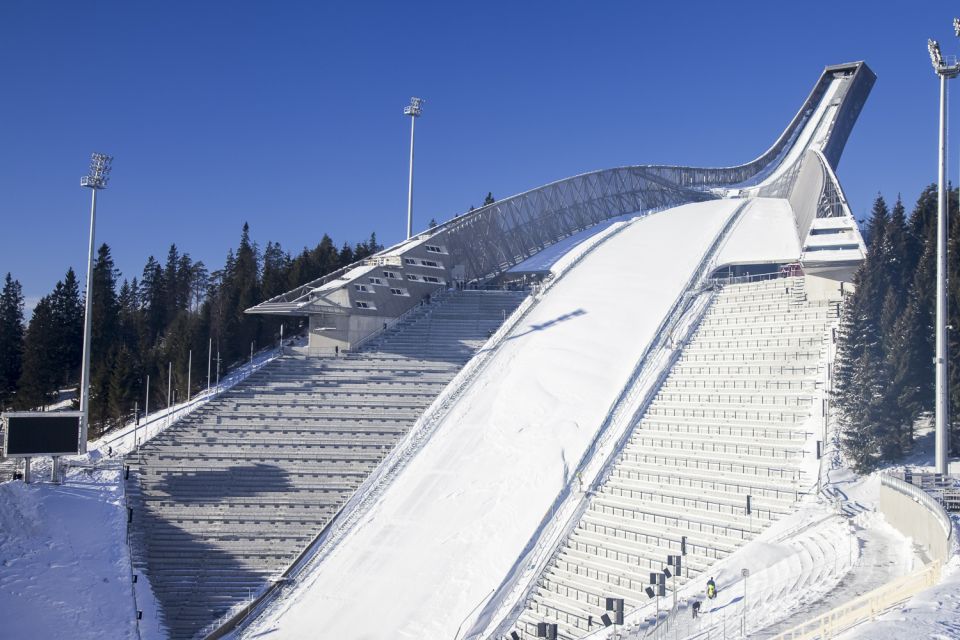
[(96, 180), (946, 69), (413, 110)]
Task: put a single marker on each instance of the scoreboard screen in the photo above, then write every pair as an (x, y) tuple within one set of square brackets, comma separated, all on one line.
[(52, 433)]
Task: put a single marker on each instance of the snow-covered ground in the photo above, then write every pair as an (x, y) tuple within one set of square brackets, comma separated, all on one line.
[(452, 524), (64, 562), (933, 613), (65, 567)]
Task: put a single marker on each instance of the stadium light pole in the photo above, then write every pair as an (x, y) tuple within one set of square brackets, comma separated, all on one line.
[(413, 110), (945, 69), (95, 180)]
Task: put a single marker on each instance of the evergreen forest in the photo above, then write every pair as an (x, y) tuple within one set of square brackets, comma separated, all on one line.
[(151, 324), (884, 378)]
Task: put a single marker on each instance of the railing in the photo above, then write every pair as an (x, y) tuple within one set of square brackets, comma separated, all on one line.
[(773, 275), (865, 607)]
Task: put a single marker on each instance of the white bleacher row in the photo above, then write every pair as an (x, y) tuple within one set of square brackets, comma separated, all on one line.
[(228, 497), (728, 423)]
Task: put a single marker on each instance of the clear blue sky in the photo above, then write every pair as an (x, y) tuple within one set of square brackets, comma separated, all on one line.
[(288, 115)]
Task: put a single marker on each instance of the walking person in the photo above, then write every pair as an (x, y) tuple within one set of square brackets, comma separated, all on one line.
[(711, 589)]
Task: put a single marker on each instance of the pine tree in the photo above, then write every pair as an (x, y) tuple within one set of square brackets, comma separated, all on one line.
[(38, 381), (867, 418), (124, 387), (199, 281), (346, 256), (11, 338), (67, 308), (104, 337), (489, 199), (153, 296), (276, 265)]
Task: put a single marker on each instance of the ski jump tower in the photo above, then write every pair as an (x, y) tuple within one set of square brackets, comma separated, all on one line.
[(462, 531), (352, 303)]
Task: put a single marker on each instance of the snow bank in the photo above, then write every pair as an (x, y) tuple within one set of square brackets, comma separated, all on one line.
[(66, 570), (450, 527)]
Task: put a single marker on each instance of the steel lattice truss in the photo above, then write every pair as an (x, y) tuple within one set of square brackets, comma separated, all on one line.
[(505, 233)]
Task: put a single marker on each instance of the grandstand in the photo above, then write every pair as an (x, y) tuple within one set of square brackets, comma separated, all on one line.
[(226, 499), (730, 421)]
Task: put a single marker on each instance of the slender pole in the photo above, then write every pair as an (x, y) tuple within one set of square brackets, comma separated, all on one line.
[(169, 388), (146, 413), (413, 120), (743, 620), (218, 369), (209, 359), (189, 372), (87, 332), (251, 354), (941, 405)]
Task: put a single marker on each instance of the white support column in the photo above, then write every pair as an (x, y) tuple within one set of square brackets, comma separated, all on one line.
[(87, 331), (941, 402), (413, 121), (209, 360)]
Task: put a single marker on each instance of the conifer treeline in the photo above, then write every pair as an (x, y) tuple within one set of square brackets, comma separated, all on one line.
[(884, 376), (141, 325)]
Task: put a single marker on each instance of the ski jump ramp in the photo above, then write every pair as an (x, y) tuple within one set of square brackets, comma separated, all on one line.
[(442, 546)]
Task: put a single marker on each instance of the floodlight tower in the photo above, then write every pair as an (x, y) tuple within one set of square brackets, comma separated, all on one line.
[(96, 180), (946, 69), (413, 110)]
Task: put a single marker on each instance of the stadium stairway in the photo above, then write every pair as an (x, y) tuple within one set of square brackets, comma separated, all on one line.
[(730, 421), (224, 500)]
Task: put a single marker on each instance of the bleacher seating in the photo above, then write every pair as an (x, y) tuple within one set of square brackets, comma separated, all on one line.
[(225, 499), (728, 422)]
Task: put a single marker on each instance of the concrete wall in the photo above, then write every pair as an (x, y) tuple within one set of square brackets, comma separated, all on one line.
[(818, 288), (916, 515), (341, 330)]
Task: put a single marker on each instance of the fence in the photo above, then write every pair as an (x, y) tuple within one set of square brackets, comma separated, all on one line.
[(865, 607)]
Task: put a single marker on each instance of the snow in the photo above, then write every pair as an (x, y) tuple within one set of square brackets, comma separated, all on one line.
[(64, 562), (765, 233), (66, 570), (933, 613), (451, 525), (548, 259), (813, 134), (838, 222)]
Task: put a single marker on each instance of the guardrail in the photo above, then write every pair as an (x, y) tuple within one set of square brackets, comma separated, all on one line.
[(909, 522), (865, 607)]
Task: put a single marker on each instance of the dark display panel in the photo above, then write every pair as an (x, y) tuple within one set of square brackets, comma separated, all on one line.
[(48, 434)]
